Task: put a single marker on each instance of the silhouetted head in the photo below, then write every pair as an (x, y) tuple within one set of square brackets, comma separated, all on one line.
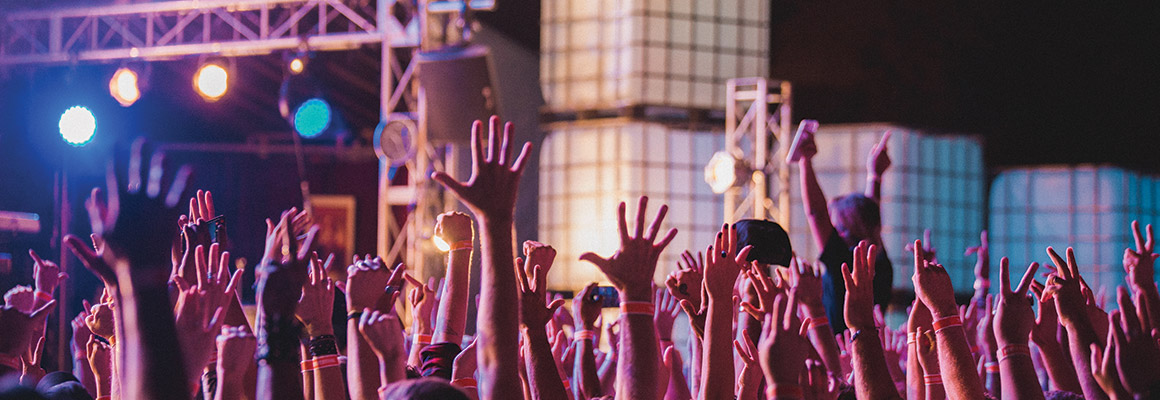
[(856, 218), (771, 244)]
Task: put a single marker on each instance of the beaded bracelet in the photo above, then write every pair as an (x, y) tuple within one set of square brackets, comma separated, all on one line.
[(323, 345)]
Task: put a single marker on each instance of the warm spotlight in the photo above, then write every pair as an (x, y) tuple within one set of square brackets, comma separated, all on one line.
[(723, 172), (296, 65), (211, 81), (312, 118), (77, 125), (123, 87)]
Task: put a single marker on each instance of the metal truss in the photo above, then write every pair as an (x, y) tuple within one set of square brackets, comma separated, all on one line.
[(171, 29), (758, 118)]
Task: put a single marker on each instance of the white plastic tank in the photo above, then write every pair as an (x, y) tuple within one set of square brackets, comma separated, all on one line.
[(1087, 207), (605, 54)]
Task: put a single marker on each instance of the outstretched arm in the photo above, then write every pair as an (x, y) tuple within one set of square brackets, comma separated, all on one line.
[(876, 166), (871, 375), (814, 201), (491, 195), (456, 229), (933, 286), (631, 270), (722, 266), (1014, 321)]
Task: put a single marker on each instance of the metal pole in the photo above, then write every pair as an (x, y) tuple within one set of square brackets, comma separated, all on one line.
[(386, 84)]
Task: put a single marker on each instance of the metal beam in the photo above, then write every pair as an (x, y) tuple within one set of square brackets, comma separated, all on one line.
[(164, 30)]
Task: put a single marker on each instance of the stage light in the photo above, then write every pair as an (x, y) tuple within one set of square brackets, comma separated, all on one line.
[(211, 81), (312, 118), (441, 244), (723, 172), (123, 87), (296, 65), (77, 125)]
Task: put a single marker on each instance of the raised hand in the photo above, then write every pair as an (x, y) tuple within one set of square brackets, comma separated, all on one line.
[(586, 307), (93, 257), (284, 270), (134, 221), (200, 309), (859, 305), (100, 358), (766, 290), (46, 274), (101, 320), (534, 313), (32, 371), (423, 300), (1104, 369), (1139, 264), (1064, 286), (1014, 319), (879, 160), (1136, 353), (932, 285), (631, 268), (665, 314), (685, 282), (723, 264), (366, 280), (982, 263), (539, 254), (21, 298), (235, 347), (782, 349), (491, 190), (316, 304), (928, 250), (383, 332), (749, 379), (806, 281)]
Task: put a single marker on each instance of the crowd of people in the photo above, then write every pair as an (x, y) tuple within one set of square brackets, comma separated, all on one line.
[(760, 321)]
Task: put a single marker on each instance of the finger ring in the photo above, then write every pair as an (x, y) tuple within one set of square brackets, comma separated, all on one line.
[(724, 254)]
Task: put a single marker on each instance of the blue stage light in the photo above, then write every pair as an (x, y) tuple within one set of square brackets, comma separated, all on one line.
[(312, 117), (77, 125)]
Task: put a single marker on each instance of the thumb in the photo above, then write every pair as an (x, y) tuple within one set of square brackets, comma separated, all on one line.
[(448, 182), (598, 261)]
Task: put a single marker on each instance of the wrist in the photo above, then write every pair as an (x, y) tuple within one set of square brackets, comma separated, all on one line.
[(631, 293), (944, 310), (814, 310), (315, 330)]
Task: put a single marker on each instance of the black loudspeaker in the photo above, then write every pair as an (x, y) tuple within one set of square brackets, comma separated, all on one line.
[(457, 85)]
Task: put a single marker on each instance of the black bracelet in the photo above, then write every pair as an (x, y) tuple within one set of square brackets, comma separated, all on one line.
[(323, 345), (355, 315)]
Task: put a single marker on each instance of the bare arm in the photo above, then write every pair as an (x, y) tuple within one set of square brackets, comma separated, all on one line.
[(491, 195), (871, 374), (450, 324), (586, 383), (876, 166), (631, 271), (933, 286), (721, 270), (814, 201), (1064, 285)]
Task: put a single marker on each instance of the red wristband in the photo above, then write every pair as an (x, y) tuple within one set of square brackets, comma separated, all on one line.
[(326, 361), (948, 322), (307, 365), (464, 382), (817, 322), (637, 307), (583, 334), (991, 367), (932, 380), (1014, 350), (461, 245), (421, 339), (46, 296)]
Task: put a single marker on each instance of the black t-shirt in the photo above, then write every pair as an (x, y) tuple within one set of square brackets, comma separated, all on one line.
[(833, 255)]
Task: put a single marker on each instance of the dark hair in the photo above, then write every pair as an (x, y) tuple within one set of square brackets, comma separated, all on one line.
[(423, 389), (770, 242), (856, 217)]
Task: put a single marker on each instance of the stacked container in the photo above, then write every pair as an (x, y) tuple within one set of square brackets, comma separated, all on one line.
[(606, 57), (936, 182), (1089, 208), (601, 54)]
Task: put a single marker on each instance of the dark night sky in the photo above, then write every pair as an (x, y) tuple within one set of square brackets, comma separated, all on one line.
[(1044, 82)]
